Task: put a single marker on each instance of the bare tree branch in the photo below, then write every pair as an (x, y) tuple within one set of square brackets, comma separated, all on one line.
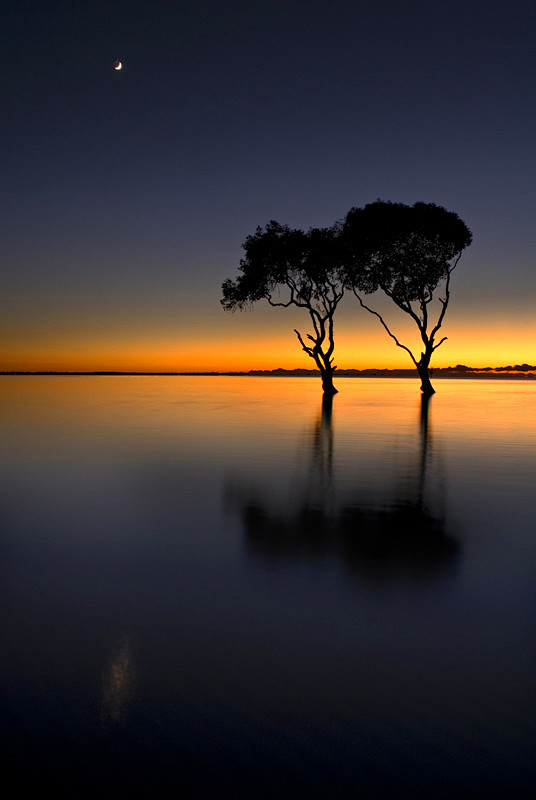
[(444, 303), (308, 350), (371, 311), (444, 339), (404, 306)]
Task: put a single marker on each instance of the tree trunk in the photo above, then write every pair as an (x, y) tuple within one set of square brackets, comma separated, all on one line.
[(327, 381), (426, 386)]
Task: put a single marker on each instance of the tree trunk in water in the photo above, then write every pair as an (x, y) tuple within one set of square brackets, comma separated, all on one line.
[(426, 387), (327, 382)]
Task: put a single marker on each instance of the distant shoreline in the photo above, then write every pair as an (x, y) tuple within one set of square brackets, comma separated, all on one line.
[(517, 372)]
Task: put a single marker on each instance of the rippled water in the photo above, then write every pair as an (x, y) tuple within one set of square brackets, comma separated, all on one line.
[(216, 585)]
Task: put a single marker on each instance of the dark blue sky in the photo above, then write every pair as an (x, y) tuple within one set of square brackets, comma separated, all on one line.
[(126, 196)]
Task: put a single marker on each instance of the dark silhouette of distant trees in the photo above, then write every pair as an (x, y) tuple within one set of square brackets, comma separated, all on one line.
[(289, 267), (406, 251)]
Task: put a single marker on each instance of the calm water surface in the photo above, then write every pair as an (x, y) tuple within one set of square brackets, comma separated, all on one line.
[(215, 585)]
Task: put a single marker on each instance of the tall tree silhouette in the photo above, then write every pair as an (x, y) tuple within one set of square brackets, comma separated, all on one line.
[(289, 267), (406, 251)]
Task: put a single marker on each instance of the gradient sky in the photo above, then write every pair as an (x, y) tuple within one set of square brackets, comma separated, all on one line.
[(126, 195)]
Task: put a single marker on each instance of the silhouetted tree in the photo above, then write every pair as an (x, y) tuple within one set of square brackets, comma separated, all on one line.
[(406, 251), (289, 267)]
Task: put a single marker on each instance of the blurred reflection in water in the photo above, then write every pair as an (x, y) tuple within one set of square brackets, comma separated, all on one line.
[(213, 586), (403, 536), (118, 681)]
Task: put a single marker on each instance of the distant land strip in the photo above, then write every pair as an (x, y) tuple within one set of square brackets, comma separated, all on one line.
[(517, 371)]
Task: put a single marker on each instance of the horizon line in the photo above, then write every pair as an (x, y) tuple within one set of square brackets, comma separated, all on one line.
[(525, 370)]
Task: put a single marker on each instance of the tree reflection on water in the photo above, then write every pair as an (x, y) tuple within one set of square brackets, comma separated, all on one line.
[(405, 537)]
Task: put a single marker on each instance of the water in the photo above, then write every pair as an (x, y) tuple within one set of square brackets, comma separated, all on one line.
[(213, 585)]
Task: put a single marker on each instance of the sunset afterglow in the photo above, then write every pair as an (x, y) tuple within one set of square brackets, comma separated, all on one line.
[(267, 382), (129, 193), (254, 347)]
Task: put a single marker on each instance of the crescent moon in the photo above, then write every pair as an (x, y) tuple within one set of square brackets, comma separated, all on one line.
[(118, 65)]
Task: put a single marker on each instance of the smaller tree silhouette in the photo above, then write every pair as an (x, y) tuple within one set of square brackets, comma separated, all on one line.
[(406, 251), (289, 267)]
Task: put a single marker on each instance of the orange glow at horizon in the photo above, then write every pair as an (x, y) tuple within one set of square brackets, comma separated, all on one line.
[(262, 350)]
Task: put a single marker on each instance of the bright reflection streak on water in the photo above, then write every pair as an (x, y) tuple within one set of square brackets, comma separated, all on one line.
[(213, 584)]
